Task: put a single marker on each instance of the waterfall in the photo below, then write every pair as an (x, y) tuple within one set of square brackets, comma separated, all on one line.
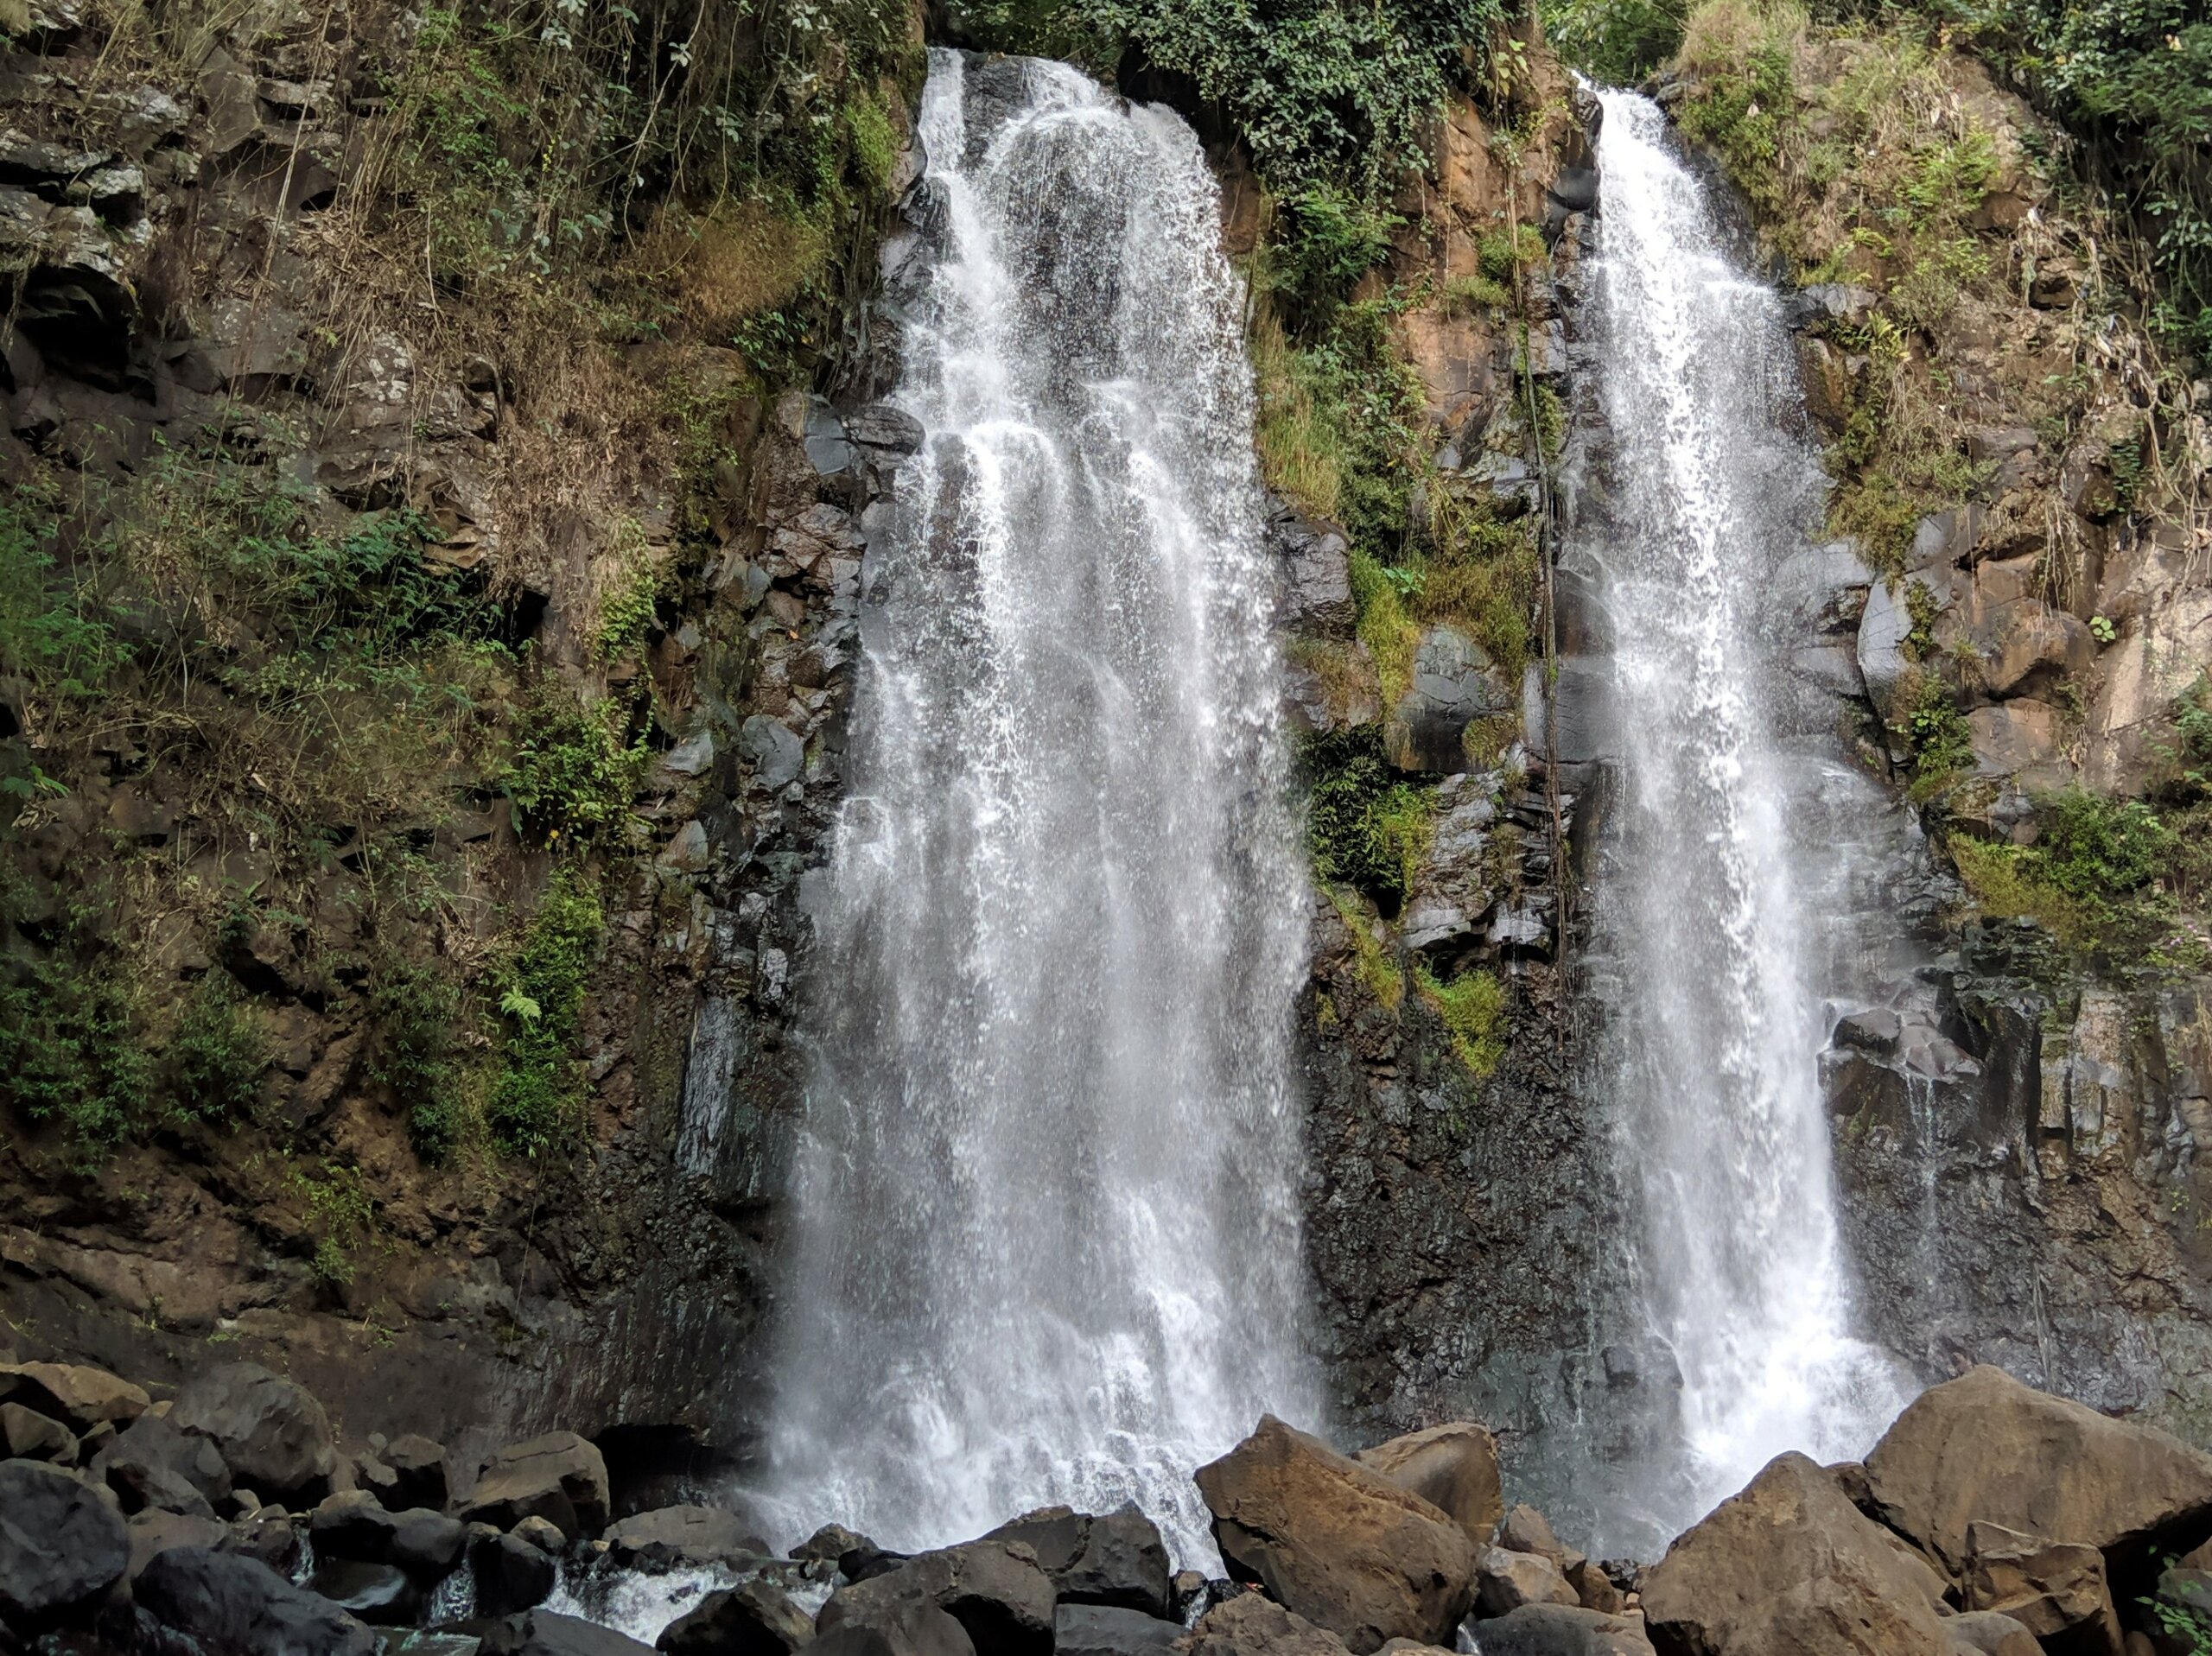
[(1725, 906), (1047, 1243)]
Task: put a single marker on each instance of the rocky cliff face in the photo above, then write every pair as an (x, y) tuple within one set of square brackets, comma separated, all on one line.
[(426, 677)]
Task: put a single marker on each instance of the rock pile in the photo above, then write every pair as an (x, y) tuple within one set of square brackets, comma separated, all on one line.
[(1991, 1519)]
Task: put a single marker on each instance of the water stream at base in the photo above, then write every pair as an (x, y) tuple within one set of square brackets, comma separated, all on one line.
[(1046, 1239), (1739, 884)]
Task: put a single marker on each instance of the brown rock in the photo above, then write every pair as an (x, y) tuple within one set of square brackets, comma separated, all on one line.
[(1555, 1630), (1527, 1529), (1453, 1466), (1251, 1624), (1594, 1587), (1986, 1632), (26, 1434), (1985, 1447), (2048, 1587), (78, 1396), (1340, 1544), (273, 1434), (1791, 1565), (1506, 1580)]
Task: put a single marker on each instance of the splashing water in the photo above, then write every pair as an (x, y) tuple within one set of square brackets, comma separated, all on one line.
[(1046, 1245), (1711, 909)]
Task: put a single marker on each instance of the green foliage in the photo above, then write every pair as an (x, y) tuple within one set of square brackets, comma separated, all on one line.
[(2102, 851), (1323, 91), (1616, 42), (219, 1052), (73, 1048), (1365, 827), (2132, 79), (1742, 115), (415, 1019), (1937, 732), (628, 606), (2097, 880), (537, 1098), (51, 635), (573, 775), (1471, 1005), (341, 1219), (1330, 239)]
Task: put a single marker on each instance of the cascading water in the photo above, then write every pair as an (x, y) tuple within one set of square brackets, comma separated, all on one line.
[(1726, 893), (1046, 1241)]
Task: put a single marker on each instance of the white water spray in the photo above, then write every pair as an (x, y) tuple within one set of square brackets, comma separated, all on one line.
[(1709, 914), (1046, 1242)]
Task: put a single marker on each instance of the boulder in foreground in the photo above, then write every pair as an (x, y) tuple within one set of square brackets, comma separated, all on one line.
[(243, 1608), (1115, 1558), (1252, 1624), (1558, 1630), (1986, 1447), (60, 1542), (1337, 1542), (273, 1435), (1791, 1565), (1453, 1466), (995, 1590), (559, 1477), (755, 1619)]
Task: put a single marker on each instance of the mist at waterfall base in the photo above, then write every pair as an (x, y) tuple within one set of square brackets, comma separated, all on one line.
[(1047, 1243), (1740, 890)]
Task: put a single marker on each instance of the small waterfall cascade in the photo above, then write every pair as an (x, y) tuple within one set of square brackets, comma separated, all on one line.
[(1046, 1241), (1736, 881)]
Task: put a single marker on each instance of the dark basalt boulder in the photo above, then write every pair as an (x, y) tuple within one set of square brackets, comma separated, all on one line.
[(1339, 1544), (426, 1545), (27, 1435), (78, 1396), (154, 1465), (911, 1630), (242, 1607), (994, 1589), (378, 1593), (154, 1531), (419, 1468), (755, 1619), (511, 1574), (541, 1633), (683, 1535), (60, 1543), (273, 1435), (1561, 1630), (560, 1477), (1108, 1630), (1115, 1558)]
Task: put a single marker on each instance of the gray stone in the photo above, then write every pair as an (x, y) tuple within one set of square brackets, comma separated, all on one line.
[(542, 1633), (351, 1524), (242, 1607), (380, 1594), (1563, 1630), (882, 426), (776, 755), (154, 1531), (914, 1630), (510, 1573), (1317, 570), (1877, 1030), (1105, 1630), (829, 450), (60, 1542), (688, 851), (26, 1434), (690, 1535), (693, 756), (755, 1619), (559, 1477), (426, 1545), (1117, 1559), (1883, 628), (996, 1589), (1454, 684), (272, 1434), (1829, 301)]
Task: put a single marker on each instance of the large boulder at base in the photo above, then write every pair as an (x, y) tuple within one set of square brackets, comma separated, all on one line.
[(560, 1477), (1986, 1447), (1505, 1580), (541, 1633), (154, 1465), (242, 1607), (419, 1468), (273, 1435), (685, 1535), (511, 1574), (1252, 1624), (1337, 1542), (1109, 1630), (78, 1396), (426, 1545), (27, 1435), (1560, 1630), (996, 1589), (351, 1525), (378, 1593), (60, 1543), (1791, 1565), (154, 1532), (2048, 1587), (1453, 1466), (755, 1619), (1115, 1558), (911, 1630)]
